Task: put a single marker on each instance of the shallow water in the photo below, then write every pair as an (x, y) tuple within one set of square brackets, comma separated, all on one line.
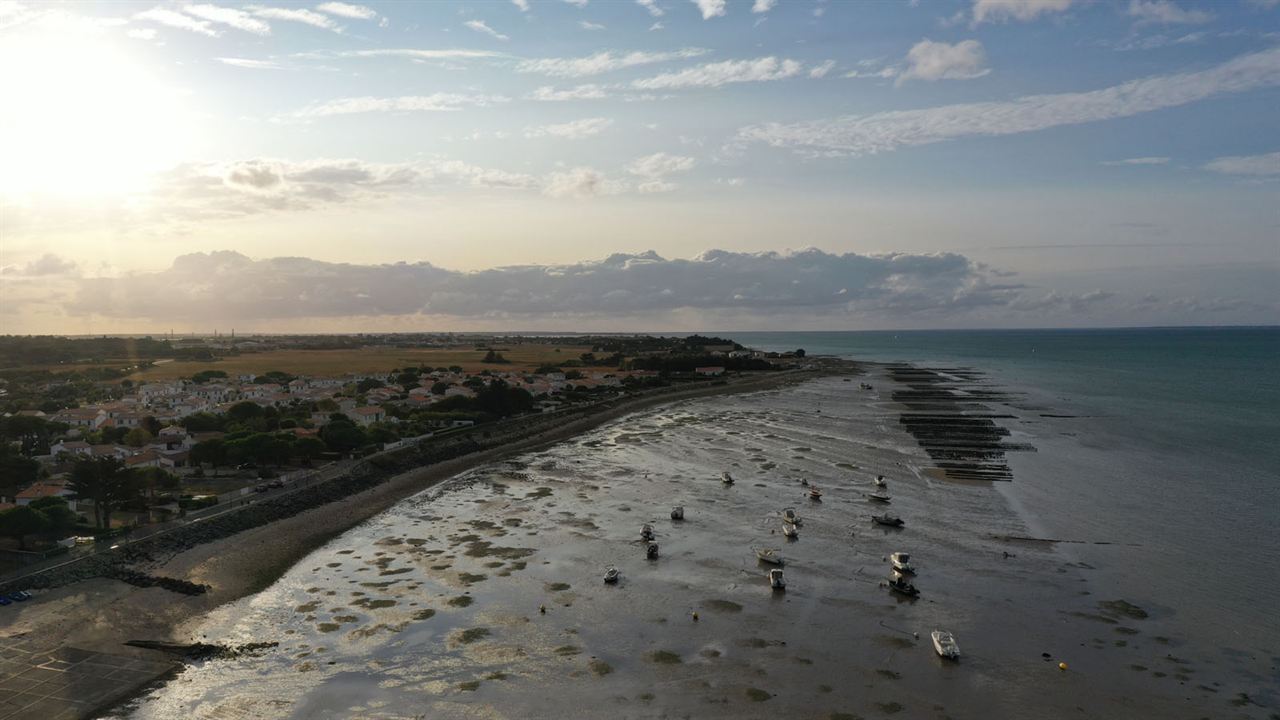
[(432, 609)]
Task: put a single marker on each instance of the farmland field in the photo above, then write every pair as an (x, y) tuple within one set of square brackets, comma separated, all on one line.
[(363, 360)]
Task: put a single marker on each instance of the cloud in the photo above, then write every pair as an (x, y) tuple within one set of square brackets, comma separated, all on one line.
[(855, 135), (481, 26), (819, 71), (722, 73), (232, 17), (710, 8), (298, 15), (412, 53), (487, 178), (177, 20), (601, 62), (46, 265), (763, 6), (1021, 10), (142, 33), (581, 182), (341, 9), (1138, 161), (580, 92), (1164, 12), (228, 286), (651, 6), (578, 3), (250, 64), (659, 165), (929, 60), (573, 130), (1267, 165), (522, 5), (437, 102), (1054, 300), (588, 25)]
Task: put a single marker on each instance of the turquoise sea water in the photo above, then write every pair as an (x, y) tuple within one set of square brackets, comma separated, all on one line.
[(1173, 452)]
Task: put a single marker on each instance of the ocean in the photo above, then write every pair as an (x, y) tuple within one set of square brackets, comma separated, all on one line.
[(1154, 469)]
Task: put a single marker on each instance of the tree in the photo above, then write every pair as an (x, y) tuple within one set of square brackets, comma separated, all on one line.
[(21, 521), (205, 376), (201, 422), (137, 437), (212, 451), (152, 479), (151, 425), (309, 448), (106, 482), (800, 352), (368, 384), (343, 435), (61, 517), (438, 388), (244, 411), (16, 472)]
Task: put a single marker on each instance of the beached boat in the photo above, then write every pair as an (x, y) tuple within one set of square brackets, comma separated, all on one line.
[(651, 551), (769, 555), (646, 532), (789, 516), (879, 482), (726, 478), (775, 579), (611, 574), (815, 493), (677, 512), (945, 643), (901, 562), (887, 519), (901, 586), (879, 497), (791, 531)]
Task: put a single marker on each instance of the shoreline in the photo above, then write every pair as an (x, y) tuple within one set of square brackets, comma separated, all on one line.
[(101, 614)]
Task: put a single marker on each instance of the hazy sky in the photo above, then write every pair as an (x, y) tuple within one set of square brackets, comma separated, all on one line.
[(626, 165)]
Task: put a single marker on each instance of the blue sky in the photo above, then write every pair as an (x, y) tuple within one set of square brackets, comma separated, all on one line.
[(1084, 163)]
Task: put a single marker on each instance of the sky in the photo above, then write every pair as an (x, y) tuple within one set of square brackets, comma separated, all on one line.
[(638, 165)]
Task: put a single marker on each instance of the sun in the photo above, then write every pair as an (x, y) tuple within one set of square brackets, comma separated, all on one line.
[(81, 115)]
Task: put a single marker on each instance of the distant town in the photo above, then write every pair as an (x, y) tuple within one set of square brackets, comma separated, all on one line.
[(99, 436)]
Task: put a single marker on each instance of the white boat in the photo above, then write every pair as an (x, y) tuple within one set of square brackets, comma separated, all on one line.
[(790, 531), (902, 562), (769, 555), (902, 586), (726, 478), (611, 574), (646, 532), (651, 551), (677, 512), (789, 516), (775, 579), (945, 643), (880, 497), (879, 482)]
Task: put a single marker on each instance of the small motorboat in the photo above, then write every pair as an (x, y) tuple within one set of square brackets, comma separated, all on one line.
[(789, 516), (772, 556), (901, 586), (651, 551), (879, 482), (775, 579), (945, 643), (887, 519), (646, 532), (790, 531), (611, 574), (815, 493), (880, 497), (677, 512), (901, 562), (726, 478)]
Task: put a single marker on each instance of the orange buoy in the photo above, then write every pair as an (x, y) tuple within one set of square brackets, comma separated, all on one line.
[(1062, 666)]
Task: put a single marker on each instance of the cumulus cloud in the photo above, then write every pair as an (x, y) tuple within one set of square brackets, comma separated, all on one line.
[(297, 15), (929, 60), (1164, 12), (581, 182), (481, 26), (763, 6), (580, 92), (710, 8), (722, 73), (588, 25), (601, 62), (1021, 10), (1267, 165), (572, 130), (44, 266), (341, 9), (819, 71), (250, 64), (886, 131), (226, 286), (174, 19), (411, 53), (659, 165), (230, 17), (651, 6), (437, 102)]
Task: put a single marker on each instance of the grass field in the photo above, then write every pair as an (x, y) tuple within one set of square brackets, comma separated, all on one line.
[(379, 359)]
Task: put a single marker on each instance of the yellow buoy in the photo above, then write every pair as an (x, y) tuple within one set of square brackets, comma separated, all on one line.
[(542, 609), (695, 617), (1062, 666)]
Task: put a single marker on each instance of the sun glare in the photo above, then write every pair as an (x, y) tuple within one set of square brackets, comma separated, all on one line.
[(82, 117)]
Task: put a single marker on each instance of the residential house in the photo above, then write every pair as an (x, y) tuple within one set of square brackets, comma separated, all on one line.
[(368, 415), (43, 489), (710, 371)]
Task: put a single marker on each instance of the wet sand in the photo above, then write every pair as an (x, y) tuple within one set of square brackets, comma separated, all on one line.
[(436, 607)]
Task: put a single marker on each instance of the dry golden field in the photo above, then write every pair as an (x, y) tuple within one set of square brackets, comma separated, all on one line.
[(377, 359)]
